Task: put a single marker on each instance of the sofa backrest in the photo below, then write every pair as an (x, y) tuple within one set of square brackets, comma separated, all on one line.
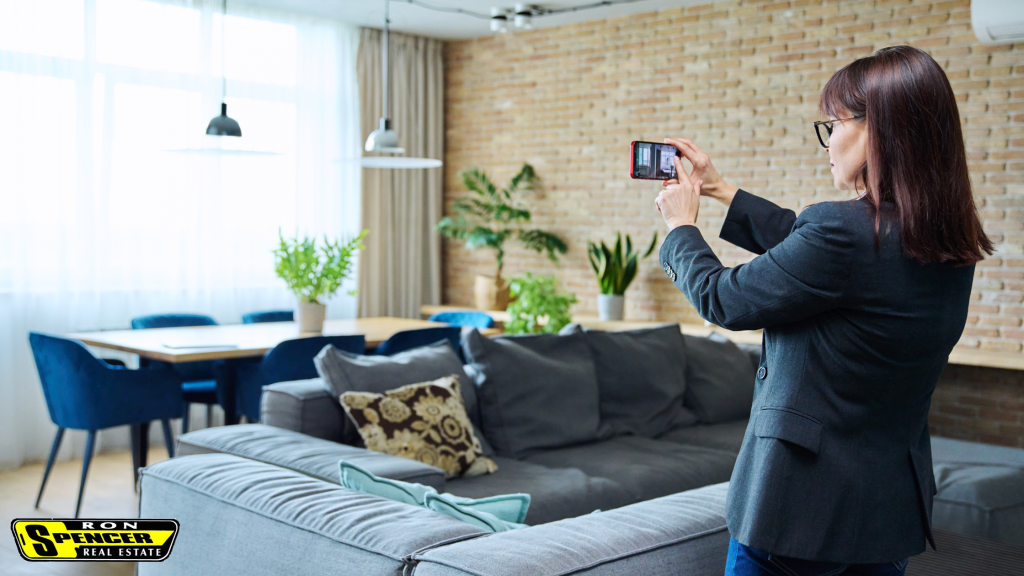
[(684, 533), (238, 516)]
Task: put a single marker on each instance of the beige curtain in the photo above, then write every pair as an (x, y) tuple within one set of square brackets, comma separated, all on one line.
[(401, 267)]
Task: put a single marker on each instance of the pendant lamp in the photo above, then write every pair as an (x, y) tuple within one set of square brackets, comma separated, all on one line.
[(223, 125), (384, 139)]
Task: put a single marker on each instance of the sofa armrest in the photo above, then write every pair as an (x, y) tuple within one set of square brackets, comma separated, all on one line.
[(305, 406), (238, 516), (311, 456), (680, 534)]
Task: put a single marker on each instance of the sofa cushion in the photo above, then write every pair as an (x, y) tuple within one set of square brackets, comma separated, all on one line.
[(311, 456), (646, 468), (450, 505), (719, 379), (726, 436), (641, 376), (536, 391), (346, 372), (979, 489), (555, 493), (511, 508), (426, 422)]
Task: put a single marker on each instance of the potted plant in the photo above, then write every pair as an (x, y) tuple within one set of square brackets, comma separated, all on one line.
[(489, 217), (313, 272), (538, 305), (615, 269)]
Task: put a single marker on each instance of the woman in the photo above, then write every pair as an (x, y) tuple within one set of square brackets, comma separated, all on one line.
[(861, 302)]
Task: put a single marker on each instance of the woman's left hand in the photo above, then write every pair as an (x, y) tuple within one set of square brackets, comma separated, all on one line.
[(679, 202)]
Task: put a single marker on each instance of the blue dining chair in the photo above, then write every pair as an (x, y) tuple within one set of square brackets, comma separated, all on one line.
[(268, 316), (289, 360), (464, 319), (85, 393), (409, 339), (199, 379)]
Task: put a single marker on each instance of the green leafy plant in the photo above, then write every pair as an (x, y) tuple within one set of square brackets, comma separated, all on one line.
[(312, 271), (489, 217), (615, 269), (539, 306)]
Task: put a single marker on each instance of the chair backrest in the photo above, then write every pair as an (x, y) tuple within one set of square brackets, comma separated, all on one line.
[(289, 360), (464, 318), (69, 373), (409, 339), (172, 321), (268, 316), (189, 371)]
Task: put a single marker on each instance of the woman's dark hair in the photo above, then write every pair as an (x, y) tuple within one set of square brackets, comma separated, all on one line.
[(916, 157)]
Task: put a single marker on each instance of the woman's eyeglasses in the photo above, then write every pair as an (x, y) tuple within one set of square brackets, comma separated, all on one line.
[(824, 128)]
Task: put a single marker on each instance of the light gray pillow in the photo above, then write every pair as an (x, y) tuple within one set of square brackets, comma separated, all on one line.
[(719, 379), (536, 391), (641, 377), (347, 372)]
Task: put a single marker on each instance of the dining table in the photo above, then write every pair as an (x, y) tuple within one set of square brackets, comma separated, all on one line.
[(232, 344)]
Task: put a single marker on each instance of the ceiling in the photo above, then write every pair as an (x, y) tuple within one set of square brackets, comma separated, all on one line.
[(413, 19)]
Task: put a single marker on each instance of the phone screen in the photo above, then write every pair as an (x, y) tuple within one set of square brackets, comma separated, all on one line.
[(652, 161)]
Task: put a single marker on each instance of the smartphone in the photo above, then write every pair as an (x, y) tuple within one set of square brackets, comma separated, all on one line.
[(652, 161)]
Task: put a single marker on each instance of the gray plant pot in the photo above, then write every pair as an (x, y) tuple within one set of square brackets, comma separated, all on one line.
[(610, 307), (310, 316)]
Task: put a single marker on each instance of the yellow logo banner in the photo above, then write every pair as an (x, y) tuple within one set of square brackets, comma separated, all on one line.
[(104, 539)]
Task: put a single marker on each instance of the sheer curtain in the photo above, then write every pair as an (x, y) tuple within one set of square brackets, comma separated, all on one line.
[(99, 222)]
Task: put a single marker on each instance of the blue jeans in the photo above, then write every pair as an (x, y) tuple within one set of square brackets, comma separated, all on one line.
[(746, 561)]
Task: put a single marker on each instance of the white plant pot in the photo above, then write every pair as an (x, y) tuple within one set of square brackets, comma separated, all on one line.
[(310, 316), (610, 307)]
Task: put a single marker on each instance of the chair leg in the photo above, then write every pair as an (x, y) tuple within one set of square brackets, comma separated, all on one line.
[(49, 462), (209, 415), (90, 445), (168, 437), (185, 418)]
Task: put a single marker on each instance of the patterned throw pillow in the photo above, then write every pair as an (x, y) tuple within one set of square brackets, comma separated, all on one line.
[(426, 422)]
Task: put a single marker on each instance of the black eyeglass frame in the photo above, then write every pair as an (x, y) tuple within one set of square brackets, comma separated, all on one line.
[(828, 128)]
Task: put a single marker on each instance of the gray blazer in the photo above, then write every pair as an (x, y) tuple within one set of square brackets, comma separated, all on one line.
[(836, 460)]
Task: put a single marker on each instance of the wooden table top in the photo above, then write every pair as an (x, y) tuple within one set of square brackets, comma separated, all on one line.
[(959, 356), (237, 340)]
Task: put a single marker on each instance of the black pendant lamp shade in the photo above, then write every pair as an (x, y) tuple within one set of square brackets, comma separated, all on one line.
[(223, 125)]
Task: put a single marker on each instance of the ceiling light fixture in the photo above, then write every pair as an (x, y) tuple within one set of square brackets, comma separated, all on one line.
[(384, 139), (223, 125), (523, 16), (499, 21)]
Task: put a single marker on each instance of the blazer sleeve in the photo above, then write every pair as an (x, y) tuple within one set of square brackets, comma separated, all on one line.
[(755, 224), (803, 275)]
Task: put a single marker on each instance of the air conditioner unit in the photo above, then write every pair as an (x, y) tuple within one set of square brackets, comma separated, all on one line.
[(998, 21)]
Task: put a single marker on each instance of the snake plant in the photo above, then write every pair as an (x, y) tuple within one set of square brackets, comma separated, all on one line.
[(614, 267)]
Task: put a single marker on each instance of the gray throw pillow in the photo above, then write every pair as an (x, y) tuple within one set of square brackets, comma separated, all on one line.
[(719, 379), (347, 372), (641, 377), (536, 391)]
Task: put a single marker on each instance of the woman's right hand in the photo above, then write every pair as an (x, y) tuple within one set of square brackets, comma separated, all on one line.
[(714, 185)]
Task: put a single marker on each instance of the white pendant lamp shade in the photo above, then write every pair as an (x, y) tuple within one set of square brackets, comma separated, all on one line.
[(384, 139)]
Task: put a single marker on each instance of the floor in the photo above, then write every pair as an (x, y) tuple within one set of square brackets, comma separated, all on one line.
[(108, 494)]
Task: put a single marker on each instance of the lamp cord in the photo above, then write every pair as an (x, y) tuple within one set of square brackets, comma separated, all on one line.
[(223, 56), (387, 22)]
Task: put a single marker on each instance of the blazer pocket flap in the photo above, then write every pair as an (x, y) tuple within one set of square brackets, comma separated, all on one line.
[(789, 426)]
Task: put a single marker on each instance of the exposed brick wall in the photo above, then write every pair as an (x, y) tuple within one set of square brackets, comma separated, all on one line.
[(979, 404), (742, 79)]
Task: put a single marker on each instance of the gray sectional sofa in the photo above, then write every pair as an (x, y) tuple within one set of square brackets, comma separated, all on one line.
[(265, 498)]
